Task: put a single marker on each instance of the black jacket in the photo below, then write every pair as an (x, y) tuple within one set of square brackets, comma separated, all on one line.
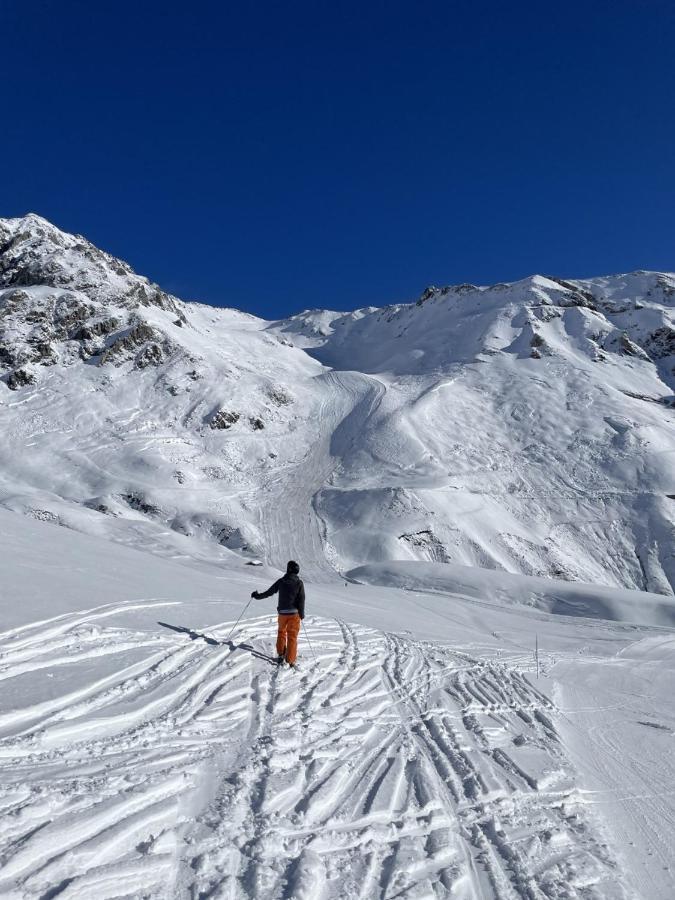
[(291, 592)]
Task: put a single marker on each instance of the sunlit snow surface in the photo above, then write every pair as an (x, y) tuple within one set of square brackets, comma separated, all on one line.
[(525, 427), (419, 755), (463, 479)]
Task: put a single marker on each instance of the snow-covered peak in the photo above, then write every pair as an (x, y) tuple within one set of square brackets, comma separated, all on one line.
[(534, 317), (33, 252)]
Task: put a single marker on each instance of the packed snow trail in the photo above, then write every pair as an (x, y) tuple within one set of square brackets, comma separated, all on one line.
[(290, 521), (390, 768)]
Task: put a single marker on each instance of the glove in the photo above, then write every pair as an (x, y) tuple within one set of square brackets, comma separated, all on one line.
[(254, 595)]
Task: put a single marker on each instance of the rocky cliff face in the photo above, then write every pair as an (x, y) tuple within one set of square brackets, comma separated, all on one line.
[(65, 301)]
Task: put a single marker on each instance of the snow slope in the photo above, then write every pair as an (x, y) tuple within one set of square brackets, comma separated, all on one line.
[(143, 753), (463, 479), (559, 597), (525, 428)]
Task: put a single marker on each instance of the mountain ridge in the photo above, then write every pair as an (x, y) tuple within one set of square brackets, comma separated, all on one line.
[(524, 427)]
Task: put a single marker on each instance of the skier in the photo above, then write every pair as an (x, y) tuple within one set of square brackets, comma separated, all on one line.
[(290, 609)]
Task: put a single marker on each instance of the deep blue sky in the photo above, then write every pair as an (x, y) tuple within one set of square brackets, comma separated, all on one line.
[(277, 156)]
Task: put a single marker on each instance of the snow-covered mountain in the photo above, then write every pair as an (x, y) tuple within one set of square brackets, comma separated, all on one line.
[(450, 731), (526, 427)]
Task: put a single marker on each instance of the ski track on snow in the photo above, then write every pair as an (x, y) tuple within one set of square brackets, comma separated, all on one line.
[(391, 768)]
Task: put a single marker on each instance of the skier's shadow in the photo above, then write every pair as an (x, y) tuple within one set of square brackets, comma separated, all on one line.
[(197, 635), (194, 635)]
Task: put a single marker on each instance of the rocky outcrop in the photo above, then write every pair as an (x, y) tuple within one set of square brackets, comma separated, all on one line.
[(426, 545), (145, 345), (661, 342), (574, 296), (538, 345), (33, 252), (223, 419), (20, 378), (88, 331), (138, 502), (279, 396), (630, 348)]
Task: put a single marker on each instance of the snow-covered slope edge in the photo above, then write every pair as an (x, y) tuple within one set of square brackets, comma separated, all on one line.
[(553, 596)]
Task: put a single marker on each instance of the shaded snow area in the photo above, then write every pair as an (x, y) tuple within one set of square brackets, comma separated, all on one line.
[(480, 490), (147, 751)]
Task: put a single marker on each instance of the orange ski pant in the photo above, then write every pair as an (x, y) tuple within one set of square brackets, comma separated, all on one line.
[(287, 637)]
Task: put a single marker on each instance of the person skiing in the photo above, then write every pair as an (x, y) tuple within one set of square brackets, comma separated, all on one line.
[(290, 611)]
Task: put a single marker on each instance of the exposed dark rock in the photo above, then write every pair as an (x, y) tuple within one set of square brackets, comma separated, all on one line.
[(90, 349), (124, 347), (433, 291), (20, 378), (576, 297), (661, 342), (426, 294), (70, 312), (44, 353), (138, 502), (279, 396), (37, 253), (99, 505), (16, 298), (428, 543), (615, 307), (223, 419), (233, 538), (89, 330), (546, 313), (580, 298), (256, 423), (150, 355), (12, 356), (630, 348), (666, 285), (538, 345)]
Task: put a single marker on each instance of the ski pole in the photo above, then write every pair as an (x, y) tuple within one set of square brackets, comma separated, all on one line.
[(308, 640), (238, 621)]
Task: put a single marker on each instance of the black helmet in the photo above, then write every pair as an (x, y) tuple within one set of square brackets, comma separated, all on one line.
[(292, 568)]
